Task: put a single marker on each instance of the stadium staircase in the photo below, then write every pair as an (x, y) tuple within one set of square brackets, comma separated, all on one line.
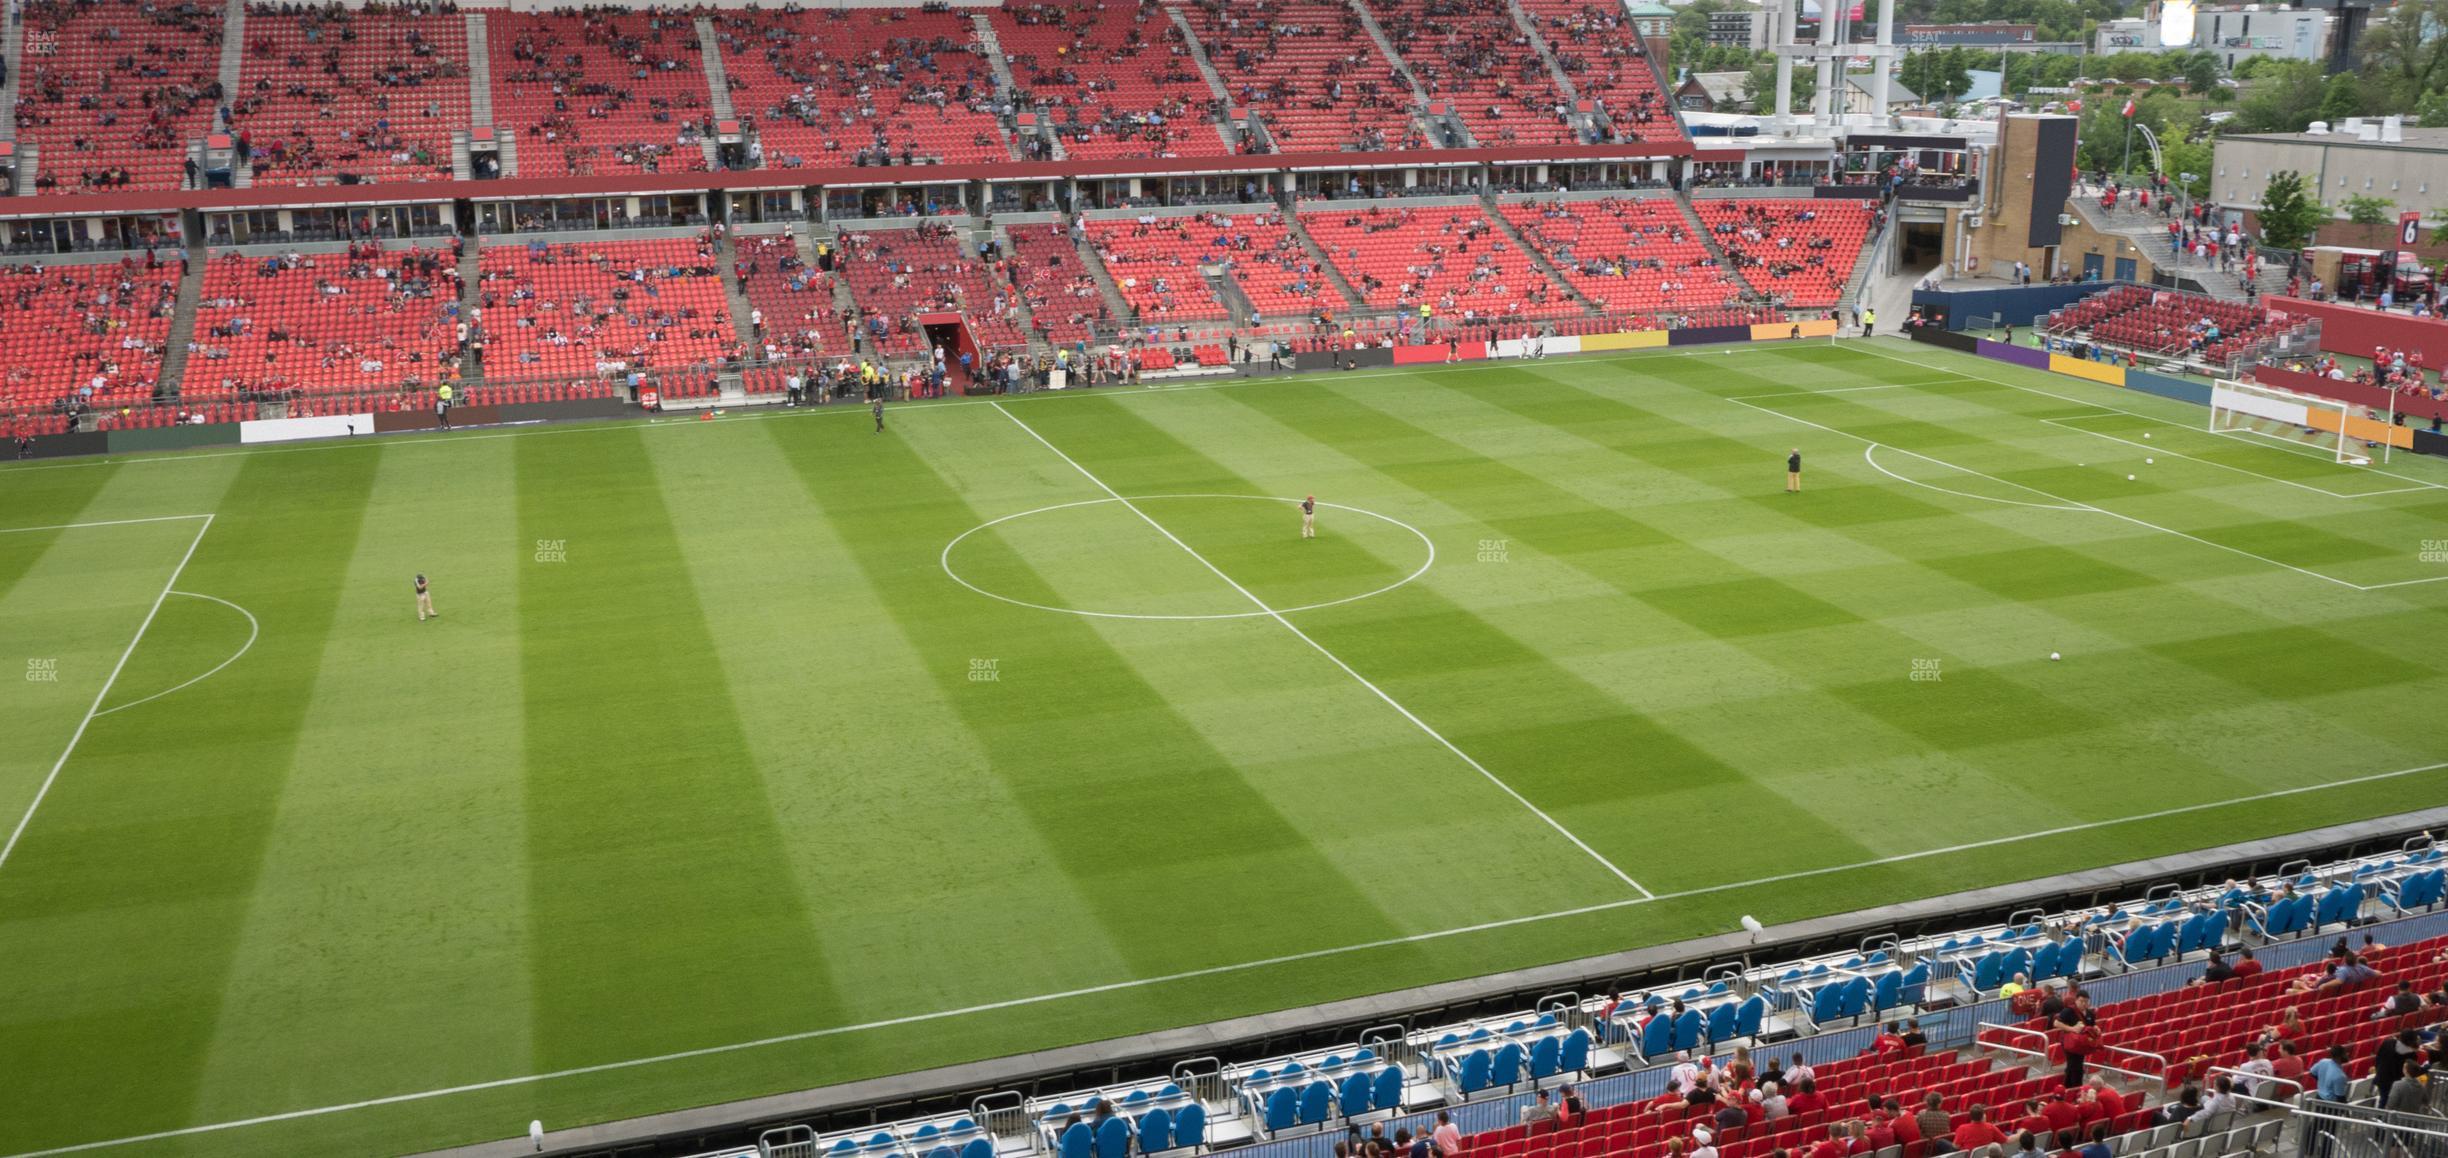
[(233, 62), (471, 295), (2148, 233), (718, 97), (480, 97), (1538, 257), (1524, 23), (29, 162), (12, 50), (1725, 261), (182, 324), (1865, 266), (1317, 253), (1227, 131), (1402, 68), (1095, 266)]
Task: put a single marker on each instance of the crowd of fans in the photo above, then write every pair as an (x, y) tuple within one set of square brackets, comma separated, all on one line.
[(356, 94), (603, 308), (1451, 262), (1470, 53), (592, 90), (1115, 83), (84, 337), (275, 326), (862, 87), (1310, 70), (114, 90), (1596, 46)]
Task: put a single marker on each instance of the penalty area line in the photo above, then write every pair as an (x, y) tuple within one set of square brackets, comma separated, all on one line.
[(1215, 970)]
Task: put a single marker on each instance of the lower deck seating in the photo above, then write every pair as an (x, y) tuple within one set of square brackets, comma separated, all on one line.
[(1801, 251), (794, 298), (2167, 323), (566, 310), (322, 323), (1062, 294), (897, 274), (1636, 255), (1155, 264), (94, 334), (1449, 260)]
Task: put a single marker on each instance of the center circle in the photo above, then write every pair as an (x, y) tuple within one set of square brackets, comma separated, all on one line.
[(1192, 531)]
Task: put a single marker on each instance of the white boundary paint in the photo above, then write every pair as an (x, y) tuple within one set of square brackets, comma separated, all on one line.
[(254, 631), (1211, 971), (1331, 657), (946, 559), (95, 709)]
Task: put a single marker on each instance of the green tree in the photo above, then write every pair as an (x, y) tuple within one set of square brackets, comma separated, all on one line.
[(2288, 213), (2200, 72), (1760, 86), (2340, 98), (2408, 52), (2363, 210), (2286, 95), (1936, 74), (2186, 154)]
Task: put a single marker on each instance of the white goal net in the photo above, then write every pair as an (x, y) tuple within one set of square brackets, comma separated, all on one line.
[(2327, 425)]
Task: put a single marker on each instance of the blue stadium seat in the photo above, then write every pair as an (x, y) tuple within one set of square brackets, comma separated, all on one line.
[(1316, 1103), (1886, 990), (1657, 1038), (1355, 1096), (1916, 983), (1189, 1128), (1155, 1130), (1282, 1110), (1077, 1142), (1574, 1057), (1476, 1066), (1721, 1021), (1749, 1015), (1544, 1054), (978, 1147), (1687, 1029), (1113, 1138), (1506, 1067), (1387, 1089)]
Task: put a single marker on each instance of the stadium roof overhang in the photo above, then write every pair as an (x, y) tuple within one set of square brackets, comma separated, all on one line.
[(86, 204)]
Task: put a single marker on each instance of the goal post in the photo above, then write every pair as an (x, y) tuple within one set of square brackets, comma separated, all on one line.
[(2334, 427)]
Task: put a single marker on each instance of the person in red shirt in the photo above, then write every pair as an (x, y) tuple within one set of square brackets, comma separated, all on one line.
[(2032, 1121), (1880, 1134), (1907, 1131), (1805, 1099), (1831, 1146), (2246, 965), (1976, 1132), (2289, 1064), (2064, 1117), (2099, 1093)]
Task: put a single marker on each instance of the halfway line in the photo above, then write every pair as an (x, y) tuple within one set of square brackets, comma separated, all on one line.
[(1331, 657)]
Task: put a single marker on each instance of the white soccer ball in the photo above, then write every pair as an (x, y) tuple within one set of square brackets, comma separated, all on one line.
[(2146, 434), (2129, 478), (2150, 462), (2053, 657)]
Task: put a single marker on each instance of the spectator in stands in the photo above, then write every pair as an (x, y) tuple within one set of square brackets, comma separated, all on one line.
[(1832, 1146), (2218, 1106), (2187, 1104), (1540, 1112), (1448, 1136), (2287, 1064), (2246, 965), (1797, 1072), (2352, 972), (1933, 1124), (2392, 1058), (2255, 1066), (1977, 1131), (1771, 1102), (2329, 1078), (2100, 1101), (1731, 1115), (1704, 1143), (2214, 970), (2078, 1040), (1569, 1106), (1805, 1097)]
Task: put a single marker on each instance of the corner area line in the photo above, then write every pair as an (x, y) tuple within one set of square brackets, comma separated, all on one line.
[(95, 708), (1209, 971), (1331, 657)]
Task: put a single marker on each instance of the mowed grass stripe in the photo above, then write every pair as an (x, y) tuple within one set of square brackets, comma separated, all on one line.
[(386, 813), (1598, 765), (1182, 861), (657, 875), (833, 694), (128, 896)]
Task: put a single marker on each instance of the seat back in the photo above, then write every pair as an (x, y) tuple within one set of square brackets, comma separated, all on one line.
[(1155, 1130), (1113, 1138), (1189, 1127)]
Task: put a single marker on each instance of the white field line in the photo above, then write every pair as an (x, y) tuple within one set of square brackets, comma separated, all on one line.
[(1875, 352), (94, 709), (1869, 457), (254, 631), (2068, 424), (2074, 505), (1145, 982), (100, 523), (1835, 390), (1331, 657)]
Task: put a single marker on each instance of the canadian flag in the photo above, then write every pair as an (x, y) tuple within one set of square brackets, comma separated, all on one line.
[(2129, 106), (2074, 106)]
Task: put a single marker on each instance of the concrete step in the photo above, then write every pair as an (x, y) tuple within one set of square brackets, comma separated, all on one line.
[(718, 79), (233, 46), (12, 49), (480, 70), (1095, 266), (1334, 277), (1537, 259), (182, 327), (29, 160), (733, 292), (471, 296), (1538, 42), (1207, 69)]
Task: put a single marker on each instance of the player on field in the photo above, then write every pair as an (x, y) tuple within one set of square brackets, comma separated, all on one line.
[(877, 408), (1309, 517), (1793, 471), (425, 600)]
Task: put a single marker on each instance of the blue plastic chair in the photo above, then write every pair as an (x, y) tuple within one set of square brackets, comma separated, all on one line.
[(1574, 1057), (1189, 1127), (1113, 1138), (978, 1147), (1687, 1029), (1316, 1103), (1657, 1038), (1475, 1070), (1355, 1096), (1748, 1017), (1282, 1110), (1506, 1067), (1386, 1091), (1077, 1142), (1155, 1130), (1721, 1021), (1544, 1055)]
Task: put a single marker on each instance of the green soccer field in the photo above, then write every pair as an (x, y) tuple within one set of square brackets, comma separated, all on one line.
[(771, 752)]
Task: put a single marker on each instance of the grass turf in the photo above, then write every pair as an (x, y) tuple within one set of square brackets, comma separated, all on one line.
[(708, 748)]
